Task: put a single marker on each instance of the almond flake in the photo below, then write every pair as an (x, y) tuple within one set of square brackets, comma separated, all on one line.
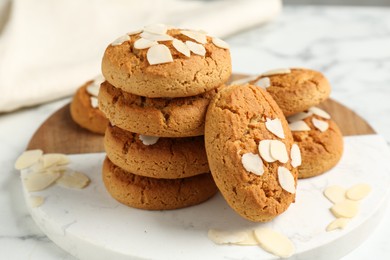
[(298, 116), (195, 35), (120, 40), (335, 193), (274, 242), (40, 180), (319, 112), (181, 47), (220, 43), (159, 54), (27, 159), (243, 81), (221, 237), (134, 32), (358, 191), (156, 28), (156, 37), (265, 150), (279, 151), (142, 43), (296, 159), (276, 72), (148, 140), (250, 240), (338, 223), (252, 163), (320, 125), (36, 201), (345, 209), (51, 159), (263, 82), (74, 180), (196, 48), (275, 127), (94, 102), (286, 179), (299, 126)]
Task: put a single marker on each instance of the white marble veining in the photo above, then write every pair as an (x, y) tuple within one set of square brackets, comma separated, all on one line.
[(349, 45)]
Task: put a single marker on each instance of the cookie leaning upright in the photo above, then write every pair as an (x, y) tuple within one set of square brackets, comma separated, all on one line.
[(251, 152), (163, 62)]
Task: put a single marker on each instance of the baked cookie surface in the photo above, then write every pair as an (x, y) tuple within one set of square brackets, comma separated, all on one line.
[(168, 158), (84, 110), (237, 120), (156, 194), (177, 117), (295, 90), (184, 66)]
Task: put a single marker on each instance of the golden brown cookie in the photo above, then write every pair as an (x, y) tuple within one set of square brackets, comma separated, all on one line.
[(156, 194), (84, 110), (248, 146), (157, 65), (177, 117), (321, 149), (295, 90), (168, 158)]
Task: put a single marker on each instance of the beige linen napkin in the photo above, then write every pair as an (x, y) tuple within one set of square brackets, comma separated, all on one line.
[(49, 48)]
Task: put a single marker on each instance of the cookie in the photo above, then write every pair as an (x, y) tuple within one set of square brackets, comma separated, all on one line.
[(177, 117), (163, 62), (248, 145), (168, 158), (156, 194), (294, 90), (84, 108), (320, 141)]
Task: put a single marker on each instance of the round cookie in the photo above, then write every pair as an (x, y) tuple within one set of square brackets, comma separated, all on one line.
[(168, 158), (156, 194), (294, 90), (84, 110), (177, 117), (238, 119), (320, 150), (151, 65)]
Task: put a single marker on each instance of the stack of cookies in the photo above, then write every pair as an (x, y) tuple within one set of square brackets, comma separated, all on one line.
[(159, 82)]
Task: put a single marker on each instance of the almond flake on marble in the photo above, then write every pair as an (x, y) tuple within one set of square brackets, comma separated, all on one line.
[(39, 180), (27, 159), (298, 116), (299, 126), (159, 54), (120, 40), (345, 209), (196, 48), (274, 242), (275, 127), (51, 159), (195, 35), (320, 125), (286, 179), (156, 28), (335, 193), (279, 151), (142, 43), (252, 163), (263, 82), (148, 140), (358, 191), (319, 112), (296, 159), (276, 72), (338, 223), (221, 237), (265, 151), (181, 47), (220, 43), (250, 240), (36, 201), (243, 81), (156, 37), (94, 102), (74, 180), (135, 32)]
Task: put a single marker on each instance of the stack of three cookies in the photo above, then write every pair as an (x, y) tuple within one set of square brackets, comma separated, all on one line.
[(159, 82)]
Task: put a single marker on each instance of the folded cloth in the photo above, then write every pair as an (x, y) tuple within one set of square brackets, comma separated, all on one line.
[(48, 48)]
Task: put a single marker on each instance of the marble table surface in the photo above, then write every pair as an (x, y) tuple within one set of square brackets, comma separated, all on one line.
[(350, 45)]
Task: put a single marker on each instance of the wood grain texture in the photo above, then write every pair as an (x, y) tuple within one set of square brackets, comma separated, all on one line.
[(61, 135)]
